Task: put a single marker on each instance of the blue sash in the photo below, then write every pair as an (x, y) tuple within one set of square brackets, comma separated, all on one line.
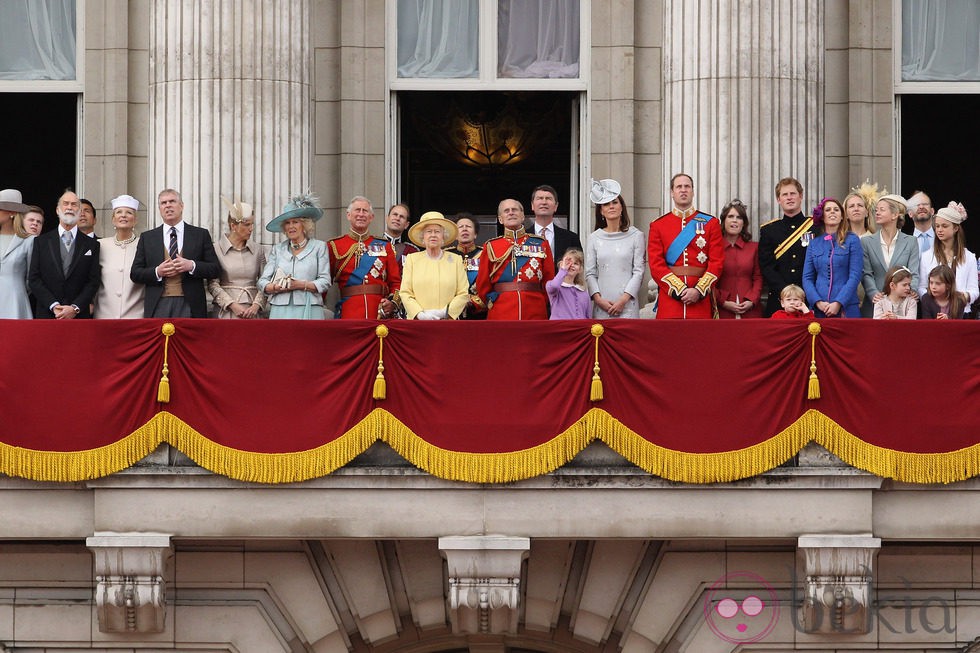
[(356, 277), (685, 237)]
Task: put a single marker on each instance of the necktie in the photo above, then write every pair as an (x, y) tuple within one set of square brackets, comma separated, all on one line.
[(173, 243), (923, 243), (66, 259)]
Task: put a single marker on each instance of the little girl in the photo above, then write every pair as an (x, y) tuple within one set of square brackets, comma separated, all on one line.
[(898, 304), (942, 302), (793, 300), (567, 293)]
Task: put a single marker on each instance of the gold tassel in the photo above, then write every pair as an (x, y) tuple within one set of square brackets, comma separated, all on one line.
[(163, 392), (813, 387), (380, 388), (595, 393)]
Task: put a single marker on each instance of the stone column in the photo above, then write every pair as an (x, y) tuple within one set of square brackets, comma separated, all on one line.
[(230, 106), (743, 99)]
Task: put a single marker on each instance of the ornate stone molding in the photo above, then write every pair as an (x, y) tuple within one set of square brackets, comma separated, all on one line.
[(484, 581), (130, 591), (839, 574)]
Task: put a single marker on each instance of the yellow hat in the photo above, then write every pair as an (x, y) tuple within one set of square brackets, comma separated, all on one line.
[(428, 219)]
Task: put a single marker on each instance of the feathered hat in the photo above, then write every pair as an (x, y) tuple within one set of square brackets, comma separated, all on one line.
[(300, 206)]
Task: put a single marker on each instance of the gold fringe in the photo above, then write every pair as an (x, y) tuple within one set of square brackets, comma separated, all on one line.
[(813, 387), (380, 391), (596, 424), (595, 392), (163, 391)]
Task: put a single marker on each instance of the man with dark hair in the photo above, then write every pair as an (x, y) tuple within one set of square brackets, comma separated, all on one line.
[(65, 272), (396, 222), (174, 261), (686, 253), (544, 203), (86, 218), (783, 242)]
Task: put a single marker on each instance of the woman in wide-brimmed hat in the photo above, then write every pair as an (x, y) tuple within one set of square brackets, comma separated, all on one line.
[(15, 258), (298, 271), (119, 296), (434, 284)]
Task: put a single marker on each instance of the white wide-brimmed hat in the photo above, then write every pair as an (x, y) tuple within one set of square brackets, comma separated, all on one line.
[(604, 191), (12, 200)]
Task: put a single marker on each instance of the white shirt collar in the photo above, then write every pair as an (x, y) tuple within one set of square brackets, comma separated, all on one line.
[(62, 230)]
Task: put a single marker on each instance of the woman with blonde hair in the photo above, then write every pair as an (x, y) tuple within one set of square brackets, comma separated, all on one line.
[(15, 258), (887, 248)]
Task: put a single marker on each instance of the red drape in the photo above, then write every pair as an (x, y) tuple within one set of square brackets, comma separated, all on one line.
[(697, 387)]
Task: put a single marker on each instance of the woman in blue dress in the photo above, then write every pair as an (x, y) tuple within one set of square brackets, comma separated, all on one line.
[(834, 264)]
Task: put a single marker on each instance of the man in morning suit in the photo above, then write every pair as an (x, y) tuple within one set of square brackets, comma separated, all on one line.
[(174, 261), (544, 203), (65, 273), (686, 254), (783, 242)]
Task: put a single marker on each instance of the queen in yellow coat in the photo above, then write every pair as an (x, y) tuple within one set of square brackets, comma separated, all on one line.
[(434, 284)]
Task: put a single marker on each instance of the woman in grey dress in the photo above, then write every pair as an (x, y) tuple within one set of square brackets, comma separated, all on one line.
[(615, 255)]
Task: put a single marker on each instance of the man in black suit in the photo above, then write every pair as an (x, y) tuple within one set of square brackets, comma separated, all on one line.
[(65, 273), (544, 203), (174, 261)]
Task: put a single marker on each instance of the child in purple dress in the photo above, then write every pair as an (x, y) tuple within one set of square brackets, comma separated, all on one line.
[(566, 292)]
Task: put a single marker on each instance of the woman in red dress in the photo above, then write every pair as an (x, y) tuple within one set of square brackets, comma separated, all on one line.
[(739, 288)]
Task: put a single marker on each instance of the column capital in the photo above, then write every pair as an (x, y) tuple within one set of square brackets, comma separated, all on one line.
[(838, 579)]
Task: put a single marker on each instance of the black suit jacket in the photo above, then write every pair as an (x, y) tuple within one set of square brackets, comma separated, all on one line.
[(151, 252), (50, 285), (563, 240)]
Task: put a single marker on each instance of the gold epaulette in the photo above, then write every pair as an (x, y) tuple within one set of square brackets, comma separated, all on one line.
[(769, 223)]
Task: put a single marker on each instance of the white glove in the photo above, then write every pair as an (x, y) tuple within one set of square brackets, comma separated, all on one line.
[(427, 315)]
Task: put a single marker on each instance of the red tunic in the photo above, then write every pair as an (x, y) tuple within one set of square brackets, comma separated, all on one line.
[(698, 266), (522, 258), (383, 276)]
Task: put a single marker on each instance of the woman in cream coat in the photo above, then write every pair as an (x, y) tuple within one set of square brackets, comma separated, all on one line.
[(118, 296), (434, 284)]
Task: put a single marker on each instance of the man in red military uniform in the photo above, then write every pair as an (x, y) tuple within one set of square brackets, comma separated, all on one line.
[(364, 268), (686, 253), (514, 268)]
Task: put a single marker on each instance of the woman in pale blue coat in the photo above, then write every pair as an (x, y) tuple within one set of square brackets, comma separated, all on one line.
[(15, 259), (834, 265), (298, 270)]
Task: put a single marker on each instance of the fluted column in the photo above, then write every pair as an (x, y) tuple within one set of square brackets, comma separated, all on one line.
[(743, 99), (229, 105)]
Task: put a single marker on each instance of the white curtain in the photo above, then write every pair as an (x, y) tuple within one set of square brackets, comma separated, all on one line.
[(940, 40), (37, 39), (438, 38), (538, 38)]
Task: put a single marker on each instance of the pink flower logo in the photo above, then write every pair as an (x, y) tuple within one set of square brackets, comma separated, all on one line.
[(741, 616)]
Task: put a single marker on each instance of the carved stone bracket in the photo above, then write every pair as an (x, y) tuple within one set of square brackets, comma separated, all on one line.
[(484, 582), (838, 581), (130, 591)]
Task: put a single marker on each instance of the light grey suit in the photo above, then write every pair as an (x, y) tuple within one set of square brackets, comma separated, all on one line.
[(906, 253)]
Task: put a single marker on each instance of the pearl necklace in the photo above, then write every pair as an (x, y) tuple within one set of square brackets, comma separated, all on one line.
[(298, 246), (123, 243)]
